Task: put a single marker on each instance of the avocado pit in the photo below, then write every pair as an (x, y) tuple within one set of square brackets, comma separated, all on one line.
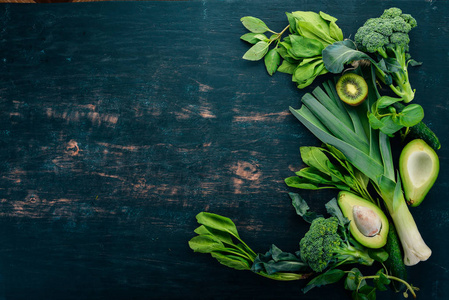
[(366, 220)]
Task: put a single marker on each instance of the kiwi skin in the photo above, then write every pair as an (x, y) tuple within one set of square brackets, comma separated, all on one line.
[(352, 89)]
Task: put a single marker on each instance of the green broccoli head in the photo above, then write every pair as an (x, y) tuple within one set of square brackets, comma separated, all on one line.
[(323, 246), (318, 245), (377, 33)]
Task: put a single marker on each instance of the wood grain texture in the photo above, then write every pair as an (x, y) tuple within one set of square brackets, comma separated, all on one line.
[(119, 122)]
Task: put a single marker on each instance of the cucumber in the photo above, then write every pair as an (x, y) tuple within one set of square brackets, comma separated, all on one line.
[(420, 131), (395, 262)]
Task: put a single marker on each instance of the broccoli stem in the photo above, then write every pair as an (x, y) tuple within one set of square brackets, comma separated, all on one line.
[(348, 254), (401, 83)]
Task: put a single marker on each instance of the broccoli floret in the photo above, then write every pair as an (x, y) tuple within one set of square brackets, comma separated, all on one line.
[(324, 246), (387, 37), (400, 25), (410, 20), (399, 38), (391, 13), (374, 41)]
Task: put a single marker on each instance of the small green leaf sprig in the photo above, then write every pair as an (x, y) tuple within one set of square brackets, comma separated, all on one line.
[(298, 53), (355, 282), (385, 117)]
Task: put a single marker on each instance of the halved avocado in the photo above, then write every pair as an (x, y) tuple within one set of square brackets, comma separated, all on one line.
[(419, 166), (368, 223)]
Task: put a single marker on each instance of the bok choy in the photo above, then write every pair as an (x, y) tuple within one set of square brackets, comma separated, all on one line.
[(347, 129)]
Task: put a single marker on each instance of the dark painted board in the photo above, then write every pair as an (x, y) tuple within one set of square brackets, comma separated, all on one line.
[(119, 122)]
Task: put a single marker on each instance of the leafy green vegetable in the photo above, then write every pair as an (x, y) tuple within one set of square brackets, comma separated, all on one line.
[(275, 261), (328, 170), (299, 53), (419, 131), (218, 236)]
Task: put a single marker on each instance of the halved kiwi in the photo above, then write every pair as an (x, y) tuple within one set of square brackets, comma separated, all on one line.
[(352, 89)]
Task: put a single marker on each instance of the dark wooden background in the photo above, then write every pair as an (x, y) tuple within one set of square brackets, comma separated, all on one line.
[(120, 121)]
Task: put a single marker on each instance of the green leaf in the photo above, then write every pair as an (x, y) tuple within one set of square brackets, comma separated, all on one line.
[(334, 124), (359, 159), (398, 197), (302, 209), (232, 261), (292, 22), (222, 236), (257, 51), (389, 126), (217, 222), (285, 276), (254, 25), (334, 210), (276, 261), (387, 157), (328, 17), (331, 105), (337, 55), (205, 244), (353, 280), (411, 115), (303, 47), (312, 25), (307, 69), (414, 63), (335, 32), (315, 157), (287, 67), (329, 277), (367, 292), (382, 281), (253, 38), (379, 255), (386, 101), (272, 61)]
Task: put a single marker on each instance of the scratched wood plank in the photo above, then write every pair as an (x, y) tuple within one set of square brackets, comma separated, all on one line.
[(119, 122)]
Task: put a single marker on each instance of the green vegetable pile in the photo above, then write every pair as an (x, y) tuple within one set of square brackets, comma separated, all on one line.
[(370, 222)]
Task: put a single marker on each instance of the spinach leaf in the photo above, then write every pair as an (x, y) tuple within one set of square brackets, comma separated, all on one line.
[(329, 277), (272, 61), (302, 208), (276, 261)]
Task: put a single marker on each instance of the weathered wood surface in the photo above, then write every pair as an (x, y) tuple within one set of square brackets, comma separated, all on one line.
[(119, 122)]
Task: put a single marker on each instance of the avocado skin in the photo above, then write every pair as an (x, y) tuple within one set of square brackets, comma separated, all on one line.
[(346, 201), (415, 195)]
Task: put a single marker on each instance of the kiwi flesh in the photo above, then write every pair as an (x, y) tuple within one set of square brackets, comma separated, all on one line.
[(352, 89)]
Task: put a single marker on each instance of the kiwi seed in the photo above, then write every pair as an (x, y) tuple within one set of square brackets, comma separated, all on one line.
[(352, 89)]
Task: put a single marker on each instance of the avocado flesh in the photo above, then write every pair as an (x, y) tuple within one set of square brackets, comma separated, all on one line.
[(419, 166), (350, 203)]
